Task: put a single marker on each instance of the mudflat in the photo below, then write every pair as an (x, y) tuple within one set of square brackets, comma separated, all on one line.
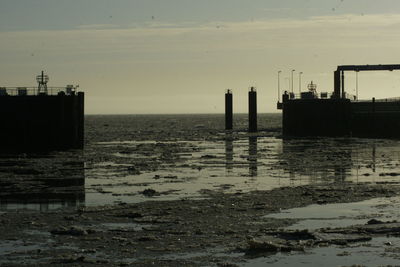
[(219, 230)]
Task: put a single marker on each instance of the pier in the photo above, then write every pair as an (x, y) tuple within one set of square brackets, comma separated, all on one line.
[(41, 118), (339, 113)]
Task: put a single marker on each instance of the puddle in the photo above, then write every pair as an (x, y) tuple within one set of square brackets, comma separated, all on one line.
[(342, 214), (372, 253)]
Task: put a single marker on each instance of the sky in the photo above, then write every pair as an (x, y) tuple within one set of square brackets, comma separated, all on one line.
[(180, 56)]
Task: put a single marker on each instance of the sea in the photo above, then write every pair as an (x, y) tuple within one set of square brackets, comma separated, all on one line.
[(136, 158)]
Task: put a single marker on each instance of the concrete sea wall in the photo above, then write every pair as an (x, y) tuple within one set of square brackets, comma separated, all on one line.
[(41, 122), (341, 117)]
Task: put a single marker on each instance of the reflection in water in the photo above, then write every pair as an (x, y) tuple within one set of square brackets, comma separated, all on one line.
[(253, 156), (319, 159), (41, 182), (229, 153), (373, 164)]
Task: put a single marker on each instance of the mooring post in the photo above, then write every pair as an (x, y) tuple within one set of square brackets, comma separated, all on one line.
[(373, 116), (342, 80), (252, 110), (228, 110)]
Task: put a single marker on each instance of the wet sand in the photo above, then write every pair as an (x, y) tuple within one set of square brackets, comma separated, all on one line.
[(220, 230), (157, 191)]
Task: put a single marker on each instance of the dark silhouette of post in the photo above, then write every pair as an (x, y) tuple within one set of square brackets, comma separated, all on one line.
[(228, 110), (373, 117), (252, 110)]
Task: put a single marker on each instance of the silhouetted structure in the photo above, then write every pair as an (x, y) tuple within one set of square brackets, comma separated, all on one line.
[(341, 114), (228, 110), (41, 118), (252, 110)]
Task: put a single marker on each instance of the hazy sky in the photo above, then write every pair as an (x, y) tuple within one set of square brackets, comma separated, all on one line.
[(179, 56)]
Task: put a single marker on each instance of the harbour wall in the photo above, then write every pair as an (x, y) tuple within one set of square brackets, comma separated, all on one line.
[(41, 122), (341, 117)]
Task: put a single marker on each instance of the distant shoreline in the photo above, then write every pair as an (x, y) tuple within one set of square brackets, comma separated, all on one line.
[(172, 114)]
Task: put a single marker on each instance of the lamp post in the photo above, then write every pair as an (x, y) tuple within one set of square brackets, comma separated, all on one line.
[(356, 85), (279, 86), (288, 83), (292, 79), (300, 73)]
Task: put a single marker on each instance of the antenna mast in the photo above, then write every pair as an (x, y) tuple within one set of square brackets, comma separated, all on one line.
[(42, 80)]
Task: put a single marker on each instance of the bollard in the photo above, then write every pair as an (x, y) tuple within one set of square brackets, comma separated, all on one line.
[(252, 110), (228, 110)]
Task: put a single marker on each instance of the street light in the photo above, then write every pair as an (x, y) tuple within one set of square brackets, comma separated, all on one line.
[(279, 86), (292, 79), (356, 85), (288, 83), (300, 73)]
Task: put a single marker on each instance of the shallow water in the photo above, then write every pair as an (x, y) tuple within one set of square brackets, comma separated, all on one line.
[(180, 156), (341, 214), (372, 253)]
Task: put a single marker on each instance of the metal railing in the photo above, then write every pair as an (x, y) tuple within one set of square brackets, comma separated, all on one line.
[(33, 91), (353, 98), (389, 99), (322, 95)]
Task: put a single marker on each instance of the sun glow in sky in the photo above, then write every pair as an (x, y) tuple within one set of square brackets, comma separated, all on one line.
[(179, 56)]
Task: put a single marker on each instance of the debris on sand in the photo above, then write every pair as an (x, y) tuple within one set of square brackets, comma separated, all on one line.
[(133, 170), (374, 221), (209, 157), (73, 231), (150, 192)]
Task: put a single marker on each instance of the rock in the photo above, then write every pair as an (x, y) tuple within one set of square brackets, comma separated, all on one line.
[(374, 221), (263, 246), (341, 239), (198, 232), (120, 239), (133, 170), (74, 231), (226, 264), (133, 215), (69, 218), (170, 177), (344, 253), (209, 157), (146, 238), (149, 192), (70, 259)]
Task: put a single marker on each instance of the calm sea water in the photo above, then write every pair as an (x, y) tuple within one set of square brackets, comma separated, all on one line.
[(182, 156)]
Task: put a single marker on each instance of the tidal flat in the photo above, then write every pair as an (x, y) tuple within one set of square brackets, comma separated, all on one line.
[(165, 190)]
